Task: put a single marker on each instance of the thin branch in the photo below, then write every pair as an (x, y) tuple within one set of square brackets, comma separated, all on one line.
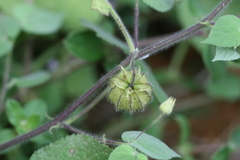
[(180, 36), (27, 58), (102, 139), (146, 51), (5, 81), (92, 104), (136, 19), (123, 29)]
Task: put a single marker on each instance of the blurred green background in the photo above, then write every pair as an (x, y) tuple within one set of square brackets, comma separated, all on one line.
[(55, 57)]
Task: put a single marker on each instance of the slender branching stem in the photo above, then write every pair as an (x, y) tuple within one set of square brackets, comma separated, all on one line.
[(92, 104), (5, 81), (136, 19), (153, 122), (123, 29), (132, 64), (176, 38), (101, 139)]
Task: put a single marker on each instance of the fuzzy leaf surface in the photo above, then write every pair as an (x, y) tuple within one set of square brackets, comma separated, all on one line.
[(74, 147), (225, 32)]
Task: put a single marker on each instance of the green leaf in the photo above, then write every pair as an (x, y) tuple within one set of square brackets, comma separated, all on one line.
[(221, 154), (36, 107), (5, 45), (234, 139), (6, 134), (149, 145), (72, 10), (105, 35), (226, 88), (9, 30), (54, 95), (28, 124), (160, 5), (84, 45), (218, 68), (126, 152), (102, 6), (15, 112), (37, 20), (74, 87), (33, 79), (225, 32), (9, 27), (226, 54), (74, 147)]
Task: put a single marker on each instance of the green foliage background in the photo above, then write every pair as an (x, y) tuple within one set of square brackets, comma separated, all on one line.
[(56, 57)]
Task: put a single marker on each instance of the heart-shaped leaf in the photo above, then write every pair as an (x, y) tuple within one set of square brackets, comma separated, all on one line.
[(225, 32)]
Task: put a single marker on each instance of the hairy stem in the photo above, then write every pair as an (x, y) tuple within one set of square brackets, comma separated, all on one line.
[(123, 29), (136, 19), (102, 139), (176, 38)]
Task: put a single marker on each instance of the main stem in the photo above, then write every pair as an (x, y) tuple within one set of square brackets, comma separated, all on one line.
[(176, 38)]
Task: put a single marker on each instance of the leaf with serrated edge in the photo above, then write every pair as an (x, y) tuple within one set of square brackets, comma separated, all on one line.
[(126, 152), (102, 6), (225, 32), (149, 145), (160, 5), (74, 147), (226, 54)]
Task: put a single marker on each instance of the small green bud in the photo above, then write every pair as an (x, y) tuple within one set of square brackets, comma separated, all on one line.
[(130, 90), (167, 106)]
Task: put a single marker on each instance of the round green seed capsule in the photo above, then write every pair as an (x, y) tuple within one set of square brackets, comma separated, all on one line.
[(130, 90)]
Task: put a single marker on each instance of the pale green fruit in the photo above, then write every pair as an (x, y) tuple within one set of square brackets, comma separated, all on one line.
[(130, 92), (167, 106)]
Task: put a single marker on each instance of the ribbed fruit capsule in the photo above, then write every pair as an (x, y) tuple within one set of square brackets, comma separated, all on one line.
[(130, 90)]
